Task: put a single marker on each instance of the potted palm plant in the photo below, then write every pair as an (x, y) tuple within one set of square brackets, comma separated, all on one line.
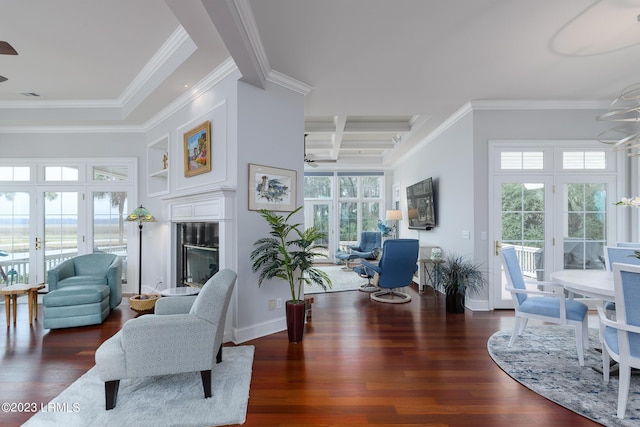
[(288, 254), (459, 277)]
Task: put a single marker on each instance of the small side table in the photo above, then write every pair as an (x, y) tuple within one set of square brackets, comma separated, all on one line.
[(431, 271), (11, 295), (180, 291)]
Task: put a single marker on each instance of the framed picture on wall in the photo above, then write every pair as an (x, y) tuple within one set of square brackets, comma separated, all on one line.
[(271, 188), (197, 150)]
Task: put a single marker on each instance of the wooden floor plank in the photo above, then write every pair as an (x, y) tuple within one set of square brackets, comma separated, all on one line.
[(361, 363)]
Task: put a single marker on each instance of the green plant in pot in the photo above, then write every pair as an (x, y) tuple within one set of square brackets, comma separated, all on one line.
[(288, 254), (459, 277)]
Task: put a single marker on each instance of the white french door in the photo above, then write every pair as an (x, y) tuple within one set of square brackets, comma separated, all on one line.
[(555, 204), (60, 217)]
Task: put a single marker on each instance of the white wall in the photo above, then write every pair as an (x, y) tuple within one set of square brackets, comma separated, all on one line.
[(249, 125), (270, 133), (457, 159), (448, 159)]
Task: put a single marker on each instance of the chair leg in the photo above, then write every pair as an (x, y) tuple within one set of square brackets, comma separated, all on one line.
[(219, 355), (516, 329), (606, 364), (111, 393), (623, 389), (580, 343), (206, 382)]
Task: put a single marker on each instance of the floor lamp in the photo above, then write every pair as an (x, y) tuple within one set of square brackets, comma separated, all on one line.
[(140, 215)]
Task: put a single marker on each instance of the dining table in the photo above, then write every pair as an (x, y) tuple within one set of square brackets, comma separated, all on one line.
[(597, 284)]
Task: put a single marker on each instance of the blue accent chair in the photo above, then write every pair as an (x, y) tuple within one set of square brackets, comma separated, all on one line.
[(395, 270), (368, 248), (544, 305), (82, 291), (622, 336)]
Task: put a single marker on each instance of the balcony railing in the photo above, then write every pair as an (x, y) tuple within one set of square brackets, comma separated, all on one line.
[(17, 269)]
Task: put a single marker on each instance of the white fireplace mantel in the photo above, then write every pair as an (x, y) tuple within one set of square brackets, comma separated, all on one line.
[(213, 205)]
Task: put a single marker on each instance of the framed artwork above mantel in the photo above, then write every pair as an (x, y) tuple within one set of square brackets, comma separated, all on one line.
[(197, 150)]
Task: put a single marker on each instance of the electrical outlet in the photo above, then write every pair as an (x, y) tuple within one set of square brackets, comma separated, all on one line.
[(272, 304), (279, 303)]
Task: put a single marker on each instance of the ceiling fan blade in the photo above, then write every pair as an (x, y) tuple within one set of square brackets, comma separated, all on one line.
[(7, 49), (3, 79)]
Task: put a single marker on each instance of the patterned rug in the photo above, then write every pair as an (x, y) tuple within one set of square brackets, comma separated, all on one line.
[(544, 359), (341, 280)]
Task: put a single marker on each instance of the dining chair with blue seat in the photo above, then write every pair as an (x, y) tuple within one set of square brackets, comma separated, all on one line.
[(549, 306), (628, 245), (623, 253), (621, 336)]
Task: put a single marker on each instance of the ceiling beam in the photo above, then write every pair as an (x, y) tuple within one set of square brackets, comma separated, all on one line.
[(236, 25), (358, 127), (339, 122)]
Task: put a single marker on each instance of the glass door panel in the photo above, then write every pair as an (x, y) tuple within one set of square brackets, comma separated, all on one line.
[(584, 225), (109, 231), (318, 215), (61, 238), (522, 222), (14, 237)]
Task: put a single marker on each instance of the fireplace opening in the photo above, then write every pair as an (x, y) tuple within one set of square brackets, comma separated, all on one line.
[(198, 252)]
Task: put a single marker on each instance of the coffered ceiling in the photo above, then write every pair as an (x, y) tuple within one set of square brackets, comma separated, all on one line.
[(379, 75)]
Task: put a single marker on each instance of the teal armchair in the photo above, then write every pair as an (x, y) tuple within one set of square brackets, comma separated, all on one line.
[(90, 269), (83, 291)]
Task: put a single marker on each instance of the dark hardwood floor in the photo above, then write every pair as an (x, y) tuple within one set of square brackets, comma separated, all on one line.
[(361, 363)]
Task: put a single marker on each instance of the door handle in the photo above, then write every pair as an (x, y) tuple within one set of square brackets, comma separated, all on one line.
[(498, 246)]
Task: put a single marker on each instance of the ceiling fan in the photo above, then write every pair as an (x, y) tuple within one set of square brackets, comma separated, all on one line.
[(310, 158), (6, 49)]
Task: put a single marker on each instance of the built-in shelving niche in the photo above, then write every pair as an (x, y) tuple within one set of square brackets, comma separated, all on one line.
[(158, 167)]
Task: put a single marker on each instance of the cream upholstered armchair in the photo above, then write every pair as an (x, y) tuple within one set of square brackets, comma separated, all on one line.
[(158, 344)]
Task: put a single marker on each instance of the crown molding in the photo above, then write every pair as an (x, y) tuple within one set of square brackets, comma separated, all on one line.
[(173, 53), (223, 70), (540, 105), (71, 129), (289, 82)]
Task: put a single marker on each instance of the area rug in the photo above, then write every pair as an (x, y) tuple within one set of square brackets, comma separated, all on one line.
[(168, 400), (544, 359), (341, 280)]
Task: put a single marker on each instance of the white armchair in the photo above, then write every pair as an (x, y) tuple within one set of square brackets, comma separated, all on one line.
[(622, 336), (544, 305), (185, 335)]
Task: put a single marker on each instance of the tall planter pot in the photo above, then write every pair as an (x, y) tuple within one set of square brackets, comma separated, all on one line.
[(295, 311), (455, 303)]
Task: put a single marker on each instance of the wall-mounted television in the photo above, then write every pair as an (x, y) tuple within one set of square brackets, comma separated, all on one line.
[(421, 205)]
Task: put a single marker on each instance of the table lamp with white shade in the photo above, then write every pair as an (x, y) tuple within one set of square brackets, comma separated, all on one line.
[(394, 215)]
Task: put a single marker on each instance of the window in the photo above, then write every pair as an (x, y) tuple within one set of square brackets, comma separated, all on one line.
[(522, 160), (584, 160), (15, 173), (110, 173), (61, 173), (318, 187)]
